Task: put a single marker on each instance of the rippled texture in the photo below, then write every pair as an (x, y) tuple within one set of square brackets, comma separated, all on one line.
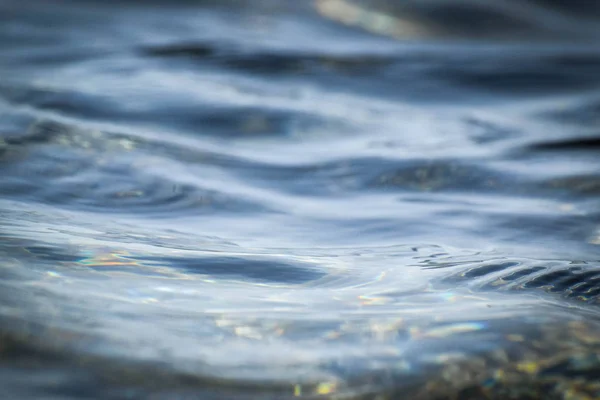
[(282, 199)]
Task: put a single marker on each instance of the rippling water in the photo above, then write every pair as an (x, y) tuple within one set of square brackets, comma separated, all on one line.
[(284, 199)]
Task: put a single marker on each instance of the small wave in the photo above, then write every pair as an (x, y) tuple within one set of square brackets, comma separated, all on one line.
[(575, 280), (101, 178)]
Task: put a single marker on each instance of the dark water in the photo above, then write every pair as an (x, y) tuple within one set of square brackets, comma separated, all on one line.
[(284, 199)]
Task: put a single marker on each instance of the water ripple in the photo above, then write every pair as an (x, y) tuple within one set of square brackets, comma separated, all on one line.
[(235, 200)]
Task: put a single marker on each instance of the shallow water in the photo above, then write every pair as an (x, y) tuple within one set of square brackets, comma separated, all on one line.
[(280, 199)]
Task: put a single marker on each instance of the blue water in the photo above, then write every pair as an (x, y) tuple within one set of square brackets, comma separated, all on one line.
[(284, 199)]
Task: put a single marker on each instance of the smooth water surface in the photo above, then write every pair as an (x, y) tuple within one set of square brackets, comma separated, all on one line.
[(286, 199)]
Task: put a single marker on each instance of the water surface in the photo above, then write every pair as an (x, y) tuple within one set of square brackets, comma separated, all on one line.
[(281, 199)]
